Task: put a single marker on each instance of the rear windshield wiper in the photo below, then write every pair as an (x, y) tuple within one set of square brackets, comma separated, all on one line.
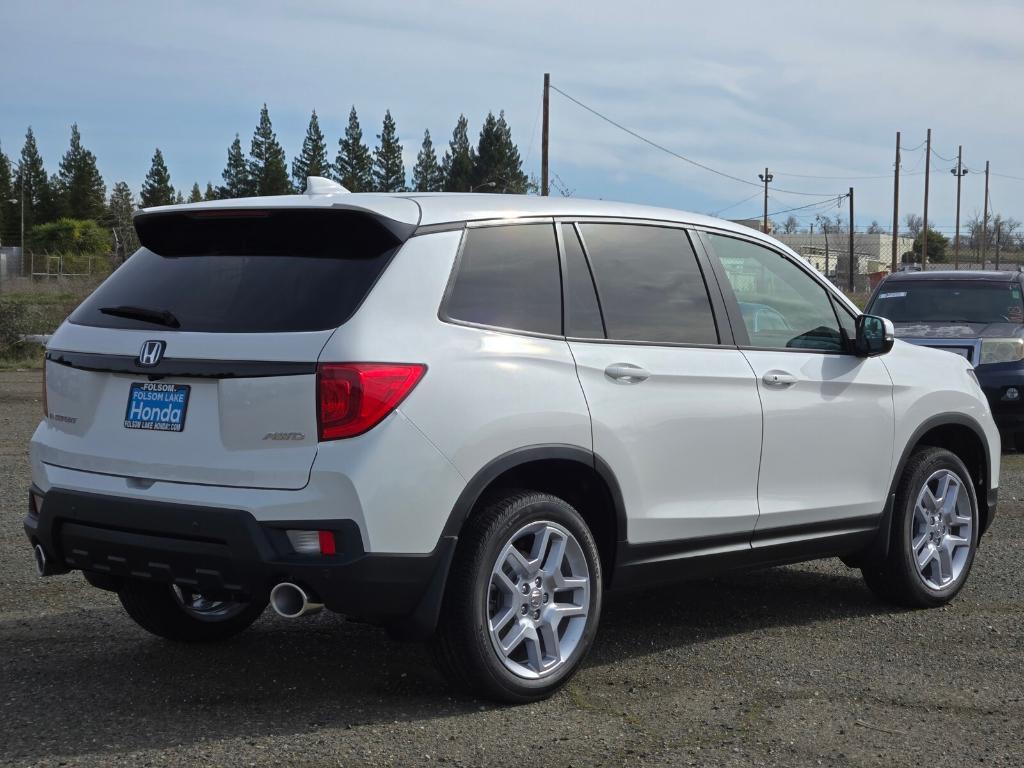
[(155, 316)]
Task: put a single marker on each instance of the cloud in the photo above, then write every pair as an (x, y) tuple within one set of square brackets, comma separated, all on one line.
[(804, 88)]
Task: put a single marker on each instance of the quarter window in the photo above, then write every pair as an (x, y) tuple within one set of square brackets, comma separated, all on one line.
[(781, 305), (508, 277), (649, 284)]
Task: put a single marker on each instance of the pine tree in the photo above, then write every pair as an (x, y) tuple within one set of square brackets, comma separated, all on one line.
[(80, 187), (427, 175), (353, 167), (460, 159), (196, 194), (268, 167), (312, 161), (497, 158), (9, 230), (210, 193), (237, 182), (120, 210), (33, 185), (157, 189), (388, 168)]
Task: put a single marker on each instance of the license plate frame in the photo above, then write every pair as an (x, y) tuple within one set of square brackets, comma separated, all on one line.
[(166, 405)]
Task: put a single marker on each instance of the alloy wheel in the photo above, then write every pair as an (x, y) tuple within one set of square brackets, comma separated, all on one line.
[(942, 528), (538, 599)]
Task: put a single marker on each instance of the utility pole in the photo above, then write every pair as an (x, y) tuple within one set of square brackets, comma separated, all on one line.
[(853, 256), (896, 205), (927, 174), (765, 177), (544, 138), (959, 172), (984, 221)]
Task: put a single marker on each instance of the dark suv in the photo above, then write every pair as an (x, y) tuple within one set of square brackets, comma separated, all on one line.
[(979, 315)]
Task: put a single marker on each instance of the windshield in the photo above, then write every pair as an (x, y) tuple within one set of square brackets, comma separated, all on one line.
[(974, 301)]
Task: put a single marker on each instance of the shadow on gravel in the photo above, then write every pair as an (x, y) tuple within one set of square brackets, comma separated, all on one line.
[(87, 681), (636, 624)]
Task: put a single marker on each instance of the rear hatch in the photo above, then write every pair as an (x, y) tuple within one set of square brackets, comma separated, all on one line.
[(195, 362)]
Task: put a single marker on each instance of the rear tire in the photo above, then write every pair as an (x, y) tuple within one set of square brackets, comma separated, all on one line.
[(523, 599), (934, 536), (185, 617)]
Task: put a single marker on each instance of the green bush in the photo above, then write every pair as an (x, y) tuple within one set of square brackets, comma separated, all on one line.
[(23, 314), (80, 237)]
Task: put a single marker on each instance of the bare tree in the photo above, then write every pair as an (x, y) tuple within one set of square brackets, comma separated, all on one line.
[(875, 228), (914, 224), (790, 225)]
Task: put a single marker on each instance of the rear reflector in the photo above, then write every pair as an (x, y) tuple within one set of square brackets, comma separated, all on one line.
[(312, 542), (353, 398), (326, 542)]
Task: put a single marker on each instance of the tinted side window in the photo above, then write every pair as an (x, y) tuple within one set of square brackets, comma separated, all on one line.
[(649, 284), (782, 306), (508, 277), (582, 314)]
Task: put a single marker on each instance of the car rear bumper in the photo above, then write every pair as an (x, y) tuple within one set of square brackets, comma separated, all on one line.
[(228, 553)]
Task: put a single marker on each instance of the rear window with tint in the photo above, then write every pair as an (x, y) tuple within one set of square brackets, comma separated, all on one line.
[(508, 277), (251, 272)]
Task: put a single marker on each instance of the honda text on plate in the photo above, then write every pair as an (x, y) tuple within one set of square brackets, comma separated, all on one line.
[(466, 417)]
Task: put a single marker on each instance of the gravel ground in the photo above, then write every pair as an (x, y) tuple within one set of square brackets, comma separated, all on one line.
[(790, 666)]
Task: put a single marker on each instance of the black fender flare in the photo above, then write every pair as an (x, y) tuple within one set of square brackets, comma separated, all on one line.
[(518, 457)]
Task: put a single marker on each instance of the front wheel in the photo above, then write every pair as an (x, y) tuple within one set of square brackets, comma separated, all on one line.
[(935, 533), (523, 599), (177, 614)]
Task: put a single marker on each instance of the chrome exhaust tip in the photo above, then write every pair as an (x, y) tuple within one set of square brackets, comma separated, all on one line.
[(290, 601), (40, 555)]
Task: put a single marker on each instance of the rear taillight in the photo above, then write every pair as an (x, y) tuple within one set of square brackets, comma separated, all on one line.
[(46, 411), (354, 397)]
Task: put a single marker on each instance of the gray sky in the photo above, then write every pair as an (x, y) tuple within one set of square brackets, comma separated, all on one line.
[(805, 88)]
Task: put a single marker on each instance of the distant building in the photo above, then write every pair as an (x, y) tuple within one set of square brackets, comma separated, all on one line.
[(831, 253), (10, 262)]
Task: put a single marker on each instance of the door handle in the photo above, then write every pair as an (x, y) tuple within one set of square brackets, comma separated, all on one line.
[(626, 373), (778, 379)]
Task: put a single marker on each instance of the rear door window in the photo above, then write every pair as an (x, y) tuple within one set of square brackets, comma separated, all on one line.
[(649, 284), (244, 272), (508, 277)]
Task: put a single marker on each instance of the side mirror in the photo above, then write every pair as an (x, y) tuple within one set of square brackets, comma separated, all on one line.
[(875, 336)]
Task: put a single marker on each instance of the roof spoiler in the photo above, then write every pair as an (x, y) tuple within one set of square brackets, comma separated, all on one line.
[(253, 229)]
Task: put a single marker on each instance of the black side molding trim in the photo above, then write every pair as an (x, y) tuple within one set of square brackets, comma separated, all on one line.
[(181, 367)]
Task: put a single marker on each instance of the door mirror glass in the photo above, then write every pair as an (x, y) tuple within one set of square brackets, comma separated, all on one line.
[(874, 335)]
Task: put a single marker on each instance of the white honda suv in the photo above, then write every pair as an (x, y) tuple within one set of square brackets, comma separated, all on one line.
[(466, 417)]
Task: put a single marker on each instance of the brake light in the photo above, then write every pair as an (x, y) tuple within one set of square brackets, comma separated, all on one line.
[(353, 398), (46, 410)]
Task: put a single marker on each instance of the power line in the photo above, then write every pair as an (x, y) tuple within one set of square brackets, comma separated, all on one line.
[(1006, 176), (840, 178), (741, 202), (834, 200), (946, 159), (674, 154)]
